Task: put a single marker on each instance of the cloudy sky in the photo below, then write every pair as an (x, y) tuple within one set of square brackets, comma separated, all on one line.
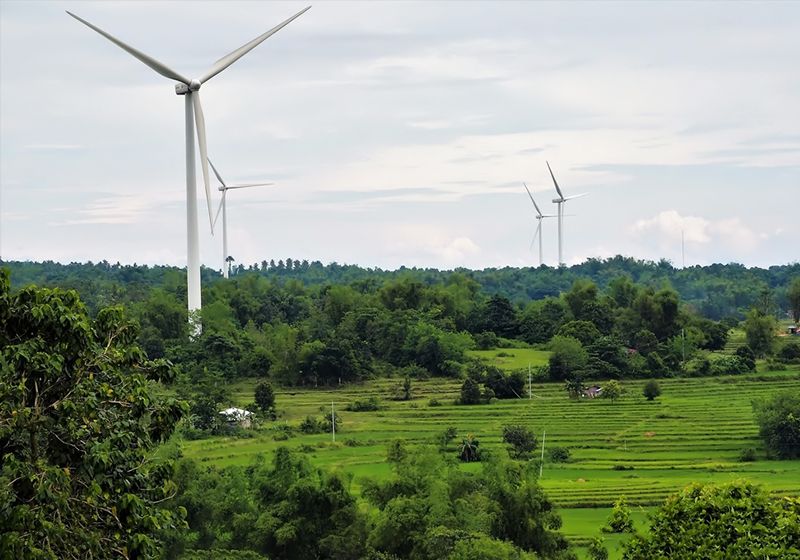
[(399, 133)]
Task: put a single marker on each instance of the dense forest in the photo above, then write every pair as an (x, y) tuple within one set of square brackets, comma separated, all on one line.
[(716, 291)]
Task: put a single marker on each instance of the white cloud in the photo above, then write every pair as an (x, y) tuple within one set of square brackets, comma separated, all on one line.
[(669, 226)]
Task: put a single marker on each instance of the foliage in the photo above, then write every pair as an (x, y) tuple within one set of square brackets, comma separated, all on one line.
[(790, 352), (779, 424), (79, 418), (620, 519), (558, 454), (597, 550), (521, 441), (430, 509), (612, 390), (729, 522), (470, 392), (366, 405), (285, 510), (651, 390), (265, 398), (760, 331), (747, 356), (470, 449), (793, 295), (568, 358)]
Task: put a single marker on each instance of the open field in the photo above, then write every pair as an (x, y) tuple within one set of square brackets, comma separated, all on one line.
[(641, 450), (511, 358)]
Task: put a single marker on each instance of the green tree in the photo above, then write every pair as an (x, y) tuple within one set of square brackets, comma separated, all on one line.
[(521, 441), (79, 419), (470, 449), (760, 330), (597, 550), (793, 294), (567, 359), (620, 519), (265, 398), (470, 392), (727, 522), (651, 390), (612, 390), (779, 424)]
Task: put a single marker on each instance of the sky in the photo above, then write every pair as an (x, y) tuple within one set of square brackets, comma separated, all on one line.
[(400, 133)]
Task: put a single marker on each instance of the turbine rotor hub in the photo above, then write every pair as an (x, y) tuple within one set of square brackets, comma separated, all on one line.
[(194, 85)]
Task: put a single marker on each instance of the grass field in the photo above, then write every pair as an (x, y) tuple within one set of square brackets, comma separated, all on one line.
[(641, 450), (511, 358)]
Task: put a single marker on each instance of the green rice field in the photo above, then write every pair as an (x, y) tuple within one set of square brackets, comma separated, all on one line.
[(645, 451)]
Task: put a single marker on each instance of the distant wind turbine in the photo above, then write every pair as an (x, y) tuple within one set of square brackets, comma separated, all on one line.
[(194, 116), (539, 218), (226, 258), (560, 201)]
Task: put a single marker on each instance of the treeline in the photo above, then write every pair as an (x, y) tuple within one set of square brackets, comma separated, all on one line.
[(716, 291)]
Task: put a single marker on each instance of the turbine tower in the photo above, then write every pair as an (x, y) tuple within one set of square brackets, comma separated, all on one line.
[(226, 258), (190, 88), (539, 218), (560, 201)]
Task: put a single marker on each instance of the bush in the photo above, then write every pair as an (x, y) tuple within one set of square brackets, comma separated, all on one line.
[(470, 392), (520, 439), (434, 402), (369, 405), (747, 455), (729, 522), (620, 519), (790, 353), (748, 357), (558, 454), (470, 450), (651, 390), (597, 550), (728, 365), (447, 436), (265, 399), (485, 340), (779, 424)]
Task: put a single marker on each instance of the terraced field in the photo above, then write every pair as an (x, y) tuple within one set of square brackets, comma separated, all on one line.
[(641, 450)]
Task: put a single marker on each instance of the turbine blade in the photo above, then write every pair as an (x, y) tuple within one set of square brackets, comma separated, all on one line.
[(531, 197), (558, 189), (229, 59), (217, 174), (247, 185), (159, 67), (576, 196), (219, 208), (200, 124)]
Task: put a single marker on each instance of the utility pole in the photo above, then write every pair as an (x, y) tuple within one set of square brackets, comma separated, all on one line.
[(530, 390), (541, 463), (333, 423)]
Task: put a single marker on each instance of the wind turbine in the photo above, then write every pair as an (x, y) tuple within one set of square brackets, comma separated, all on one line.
[(190, 88), (560, 201), (226, 258), (539, 218)]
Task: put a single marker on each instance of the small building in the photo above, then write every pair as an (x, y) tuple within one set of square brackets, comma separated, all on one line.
[(591, 392), (238, 417), (794, 330)]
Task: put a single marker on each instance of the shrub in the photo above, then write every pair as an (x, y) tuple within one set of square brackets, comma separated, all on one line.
[(597, 550), (651, 390), (470, 392), (779, 424), (620, 519), (470, 449), (558, 454), (728, 365), (434, 402), (748, 357), (747, 455), (369, 405), (485, 340), (790, 353), (447, 436), (265, 399), (520, 439)]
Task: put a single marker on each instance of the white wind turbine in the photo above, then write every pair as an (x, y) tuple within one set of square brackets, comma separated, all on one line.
[(560, 201), (194, 116), (539, 218), (224, 208)]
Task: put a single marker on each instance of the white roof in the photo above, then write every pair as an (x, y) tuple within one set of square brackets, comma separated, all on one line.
[(236, 412)]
